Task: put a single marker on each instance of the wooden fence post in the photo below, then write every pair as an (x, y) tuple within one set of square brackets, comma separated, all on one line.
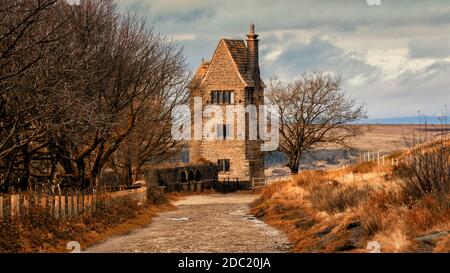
[(69, 206), (92, 203), (86, 204), (378, 159), (26, 202), (75, 205), (1, 207), (63, 200), (51, 204), (15, 205), (34, 200), (57, 206), (43, 201)]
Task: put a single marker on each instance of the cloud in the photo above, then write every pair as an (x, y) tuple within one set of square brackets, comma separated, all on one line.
[(395, 57), (289, 58), (436, 47), (343, 15), (183, 36), (427, 89)]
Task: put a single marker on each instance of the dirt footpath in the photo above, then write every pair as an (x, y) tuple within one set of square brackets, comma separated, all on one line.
[(202, 223)]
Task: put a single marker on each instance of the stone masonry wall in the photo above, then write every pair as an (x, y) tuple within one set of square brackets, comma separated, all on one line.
[(223, 75)]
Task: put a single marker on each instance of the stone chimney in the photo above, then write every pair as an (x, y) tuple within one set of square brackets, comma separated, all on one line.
[(252, 56)]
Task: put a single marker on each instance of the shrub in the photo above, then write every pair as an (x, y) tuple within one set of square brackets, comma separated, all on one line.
[(156, 196), (426, 171), (10, 236), (272, 189), (114, 211), (38, 230), (430, 211)]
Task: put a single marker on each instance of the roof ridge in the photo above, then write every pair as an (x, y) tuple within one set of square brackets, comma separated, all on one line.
[(231, 39)]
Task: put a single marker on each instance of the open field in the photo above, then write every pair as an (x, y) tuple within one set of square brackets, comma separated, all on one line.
[(389, 138), (384, 139)]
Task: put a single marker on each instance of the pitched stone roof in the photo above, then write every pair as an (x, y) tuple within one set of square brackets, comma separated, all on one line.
[(238, 52), (199, 74)]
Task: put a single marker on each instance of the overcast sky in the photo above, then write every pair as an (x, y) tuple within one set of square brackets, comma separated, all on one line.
[(394, 57)]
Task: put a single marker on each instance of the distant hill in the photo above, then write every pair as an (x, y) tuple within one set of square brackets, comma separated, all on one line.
[(405, 120)]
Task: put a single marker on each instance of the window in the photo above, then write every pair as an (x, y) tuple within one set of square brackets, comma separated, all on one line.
[(224, 165), (223, 131), (222, 97), (214, 97), (226, 97)]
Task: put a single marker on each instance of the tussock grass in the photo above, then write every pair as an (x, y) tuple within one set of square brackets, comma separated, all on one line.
[(334, 199), (322, 213), (431, 211)]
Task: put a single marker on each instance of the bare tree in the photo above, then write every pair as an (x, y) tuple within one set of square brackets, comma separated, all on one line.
[(134, 68), (150, 142), (76, 83), (28, 33), (313, 110)]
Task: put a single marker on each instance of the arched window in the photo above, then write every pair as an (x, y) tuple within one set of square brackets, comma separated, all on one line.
[(183, 176), (198, 177)]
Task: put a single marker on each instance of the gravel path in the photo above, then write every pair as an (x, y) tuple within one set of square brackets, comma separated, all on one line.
[(202, 223)]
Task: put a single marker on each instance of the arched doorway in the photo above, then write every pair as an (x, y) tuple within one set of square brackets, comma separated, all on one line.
[(191, 175), (198, 176), (183, 177)]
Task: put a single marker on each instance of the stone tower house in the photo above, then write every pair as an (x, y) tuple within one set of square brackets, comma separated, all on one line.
[(232, 77)]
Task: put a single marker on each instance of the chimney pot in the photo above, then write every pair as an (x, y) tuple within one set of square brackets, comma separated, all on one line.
[(252, 55), (252, 28)]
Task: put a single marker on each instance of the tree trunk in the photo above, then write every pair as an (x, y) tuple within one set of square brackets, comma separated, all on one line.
[(81, 172), (26, 171), (128, 172), (97, 166), (294, 169), (137, 173), (6, 183), (294, 162)]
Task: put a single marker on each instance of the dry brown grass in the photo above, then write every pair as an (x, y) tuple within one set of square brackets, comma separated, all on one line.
[(379, 212), (40, 231), (322, 212), (428, 213), (362, 168), (337, 198)]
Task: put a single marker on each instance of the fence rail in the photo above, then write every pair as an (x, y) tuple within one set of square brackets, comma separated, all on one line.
[(63, 206), (279, 178), (258, 183)]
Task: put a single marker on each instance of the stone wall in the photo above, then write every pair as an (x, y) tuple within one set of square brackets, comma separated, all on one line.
[(164, 176)]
